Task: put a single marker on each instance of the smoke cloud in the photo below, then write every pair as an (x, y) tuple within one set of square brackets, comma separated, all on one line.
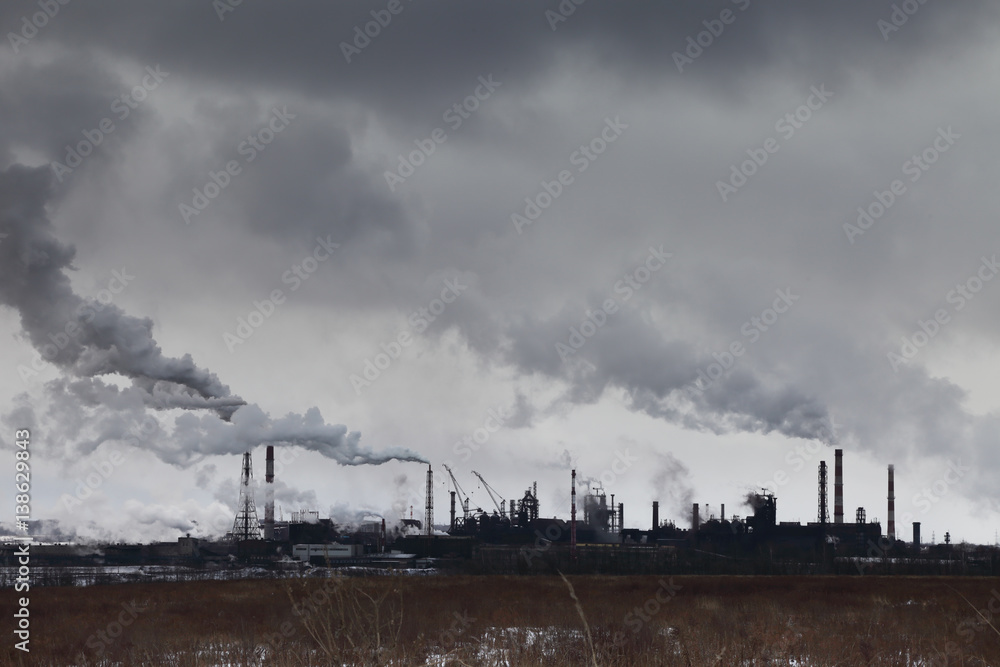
[(88, 339), (672, 486), (85, 338)]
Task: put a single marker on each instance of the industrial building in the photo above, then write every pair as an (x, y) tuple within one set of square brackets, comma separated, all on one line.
[(514, 537)]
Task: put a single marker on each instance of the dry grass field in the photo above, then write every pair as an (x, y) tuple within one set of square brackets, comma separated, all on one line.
[(462, 620)]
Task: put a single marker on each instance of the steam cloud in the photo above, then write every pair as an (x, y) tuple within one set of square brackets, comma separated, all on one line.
[(671, 482), (88, 339)]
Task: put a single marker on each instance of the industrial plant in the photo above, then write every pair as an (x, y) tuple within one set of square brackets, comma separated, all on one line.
[(514, 537)]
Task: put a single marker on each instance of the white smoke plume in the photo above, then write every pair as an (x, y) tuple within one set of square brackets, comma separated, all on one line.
[(87, 340)]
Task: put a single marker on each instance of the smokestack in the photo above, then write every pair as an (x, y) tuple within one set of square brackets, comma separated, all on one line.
[(892, 503), (269, 495), (838, 486), (572, 520), (429, 507), (916, 537), (621, 517), (452, 524), (382, 537), (722, 511), (695, 519), (824, 514), (656, 514)]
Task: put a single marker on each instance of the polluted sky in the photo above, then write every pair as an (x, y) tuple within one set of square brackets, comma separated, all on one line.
[(687, 248)]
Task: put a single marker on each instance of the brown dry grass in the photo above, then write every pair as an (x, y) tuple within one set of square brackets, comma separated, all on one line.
[(845, 621)]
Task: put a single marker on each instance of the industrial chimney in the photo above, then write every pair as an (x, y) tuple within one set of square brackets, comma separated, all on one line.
[(452, 524), (838, 486), (916, 538), (823, 513), (269, 495), (572, 520), (892, 504), (656, 514), (429, 507), (695, 519)]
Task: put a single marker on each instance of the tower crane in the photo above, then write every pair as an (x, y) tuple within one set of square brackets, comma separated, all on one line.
[(461, 493), (490, 491)]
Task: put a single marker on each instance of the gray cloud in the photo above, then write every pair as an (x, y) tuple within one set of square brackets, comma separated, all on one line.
[(819, 372)]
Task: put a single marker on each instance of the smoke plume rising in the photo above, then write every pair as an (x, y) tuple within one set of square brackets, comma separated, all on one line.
[(87, 339)]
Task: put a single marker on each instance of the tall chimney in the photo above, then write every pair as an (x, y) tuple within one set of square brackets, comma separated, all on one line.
[(722, 511), (429, 507), (614, 516), (452, 510), (621, 517), (916, 538), (892, 504), (656, 514), (572, 520), (269, 495), (695, 519), (838, 486), (823, 513)]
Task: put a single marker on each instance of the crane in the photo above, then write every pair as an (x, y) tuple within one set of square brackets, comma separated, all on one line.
[(461, 493), (490, 491)]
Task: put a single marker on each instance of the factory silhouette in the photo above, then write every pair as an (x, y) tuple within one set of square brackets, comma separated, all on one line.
[(514, 538)]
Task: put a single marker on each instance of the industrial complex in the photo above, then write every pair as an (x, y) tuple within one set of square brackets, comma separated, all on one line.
[(515, 537)]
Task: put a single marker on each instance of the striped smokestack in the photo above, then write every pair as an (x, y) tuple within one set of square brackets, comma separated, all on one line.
[(892, 504), (429, 507), (269, 495), (838, 486)]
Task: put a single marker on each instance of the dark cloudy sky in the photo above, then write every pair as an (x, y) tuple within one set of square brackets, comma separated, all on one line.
[(256, 152)]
